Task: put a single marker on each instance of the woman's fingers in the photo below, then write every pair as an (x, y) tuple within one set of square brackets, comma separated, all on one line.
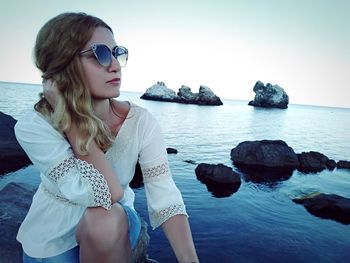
[(51, 92)]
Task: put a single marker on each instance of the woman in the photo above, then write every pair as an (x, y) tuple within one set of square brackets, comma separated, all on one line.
[(86, 145)]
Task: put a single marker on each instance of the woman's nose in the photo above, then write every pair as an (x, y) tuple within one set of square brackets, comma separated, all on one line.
[(115, 65)]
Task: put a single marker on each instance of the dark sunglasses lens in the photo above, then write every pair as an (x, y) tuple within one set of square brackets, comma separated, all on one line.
[(103, 55), (121, 53)]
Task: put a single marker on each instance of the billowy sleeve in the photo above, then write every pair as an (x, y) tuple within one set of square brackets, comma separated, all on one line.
[(164, 199), (76, 180)]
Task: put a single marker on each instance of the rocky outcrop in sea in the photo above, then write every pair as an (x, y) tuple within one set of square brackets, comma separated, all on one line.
[(160, 92), (269, 96), (220, 179)]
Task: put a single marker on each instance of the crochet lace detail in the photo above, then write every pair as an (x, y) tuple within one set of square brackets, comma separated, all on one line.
[(155, 173), (159, 217), (99, 191), (57, 197)]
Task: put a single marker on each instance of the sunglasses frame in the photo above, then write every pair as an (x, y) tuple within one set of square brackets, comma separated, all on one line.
[(113, 53)]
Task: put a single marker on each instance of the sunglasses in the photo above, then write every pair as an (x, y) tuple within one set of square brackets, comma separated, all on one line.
[(104, 55)]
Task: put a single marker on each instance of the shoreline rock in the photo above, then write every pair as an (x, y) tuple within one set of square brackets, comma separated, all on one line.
[(269, 96), (328, 206), (159, 92), (12, 156)]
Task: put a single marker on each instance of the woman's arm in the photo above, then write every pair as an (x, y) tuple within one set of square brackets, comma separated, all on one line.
[(95, 156), (178, 232)]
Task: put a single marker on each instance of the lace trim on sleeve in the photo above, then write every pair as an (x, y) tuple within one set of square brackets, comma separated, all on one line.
[(99, 191), (155, 173), (59, 171), (159, 217)]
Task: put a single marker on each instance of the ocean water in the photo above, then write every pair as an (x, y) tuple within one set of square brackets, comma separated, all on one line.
[(259, 222)]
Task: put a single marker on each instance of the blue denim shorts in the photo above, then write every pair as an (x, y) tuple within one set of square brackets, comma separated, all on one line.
[(72, 255)]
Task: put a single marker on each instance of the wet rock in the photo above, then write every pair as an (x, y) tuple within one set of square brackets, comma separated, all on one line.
[(12, 156), (328, 206), (220, 180), (265, 153), (312, 162), (171, 150), (190, 162), (269, 96), (343, 165), (265, 161)]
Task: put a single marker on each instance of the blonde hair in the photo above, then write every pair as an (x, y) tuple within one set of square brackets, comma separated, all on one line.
[(56, 54)]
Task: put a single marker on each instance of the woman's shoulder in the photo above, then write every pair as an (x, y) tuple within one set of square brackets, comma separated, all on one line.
[(31, 117), (34, 121), (143, 114)]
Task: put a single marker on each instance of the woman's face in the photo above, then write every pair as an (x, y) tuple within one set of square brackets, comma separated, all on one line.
[(103, 81)]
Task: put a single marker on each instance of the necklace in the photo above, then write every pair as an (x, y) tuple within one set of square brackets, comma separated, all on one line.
[(114, 110)]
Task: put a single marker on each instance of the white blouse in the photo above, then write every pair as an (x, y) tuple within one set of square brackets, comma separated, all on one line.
[(69, 185)]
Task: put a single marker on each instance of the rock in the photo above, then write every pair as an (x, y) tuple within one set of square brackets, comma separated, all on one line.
[(268, 153), (343, 165), (220, 180), (160, 92), (171, 151), (15, 200), (265, 161), (190, 162), (185, 94), (269, 96), (328, 206), (207, 97), (312, 162), (12, 156)]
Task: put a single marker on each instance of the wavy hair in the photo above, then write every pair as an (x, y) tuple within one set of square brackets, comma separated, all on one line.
[(56, 54)]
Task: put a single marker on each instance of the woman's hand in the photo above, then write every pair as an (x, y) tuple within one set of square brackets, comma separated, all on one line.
[(51, 92)]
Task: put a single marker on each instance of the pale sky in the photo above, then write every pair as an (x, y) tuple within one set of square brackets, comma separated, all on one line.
[(301, 45)]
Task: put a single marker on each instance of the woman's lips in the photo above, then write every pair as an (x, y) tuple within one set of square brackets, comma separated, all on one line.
[(114, 81)]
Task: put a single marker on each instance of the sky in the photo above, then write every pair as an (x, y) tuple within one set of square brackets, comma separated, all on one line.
[(227, 45)]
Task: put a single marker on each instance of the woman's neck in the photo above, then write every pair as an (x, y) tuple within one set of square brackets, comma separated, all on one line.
[(102, 109)]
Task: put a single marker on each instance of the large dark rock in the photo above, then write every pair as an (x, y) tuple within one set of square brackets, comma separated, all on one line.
[(160, 92), (328, 206), (312, 162), (267, 153), (15, 200), (12, 156), (269, 96), (266, 161), (220, 180)]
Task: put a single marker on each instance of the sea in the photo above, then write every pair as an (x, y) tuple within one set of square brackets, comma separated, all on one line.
[(259, 222)]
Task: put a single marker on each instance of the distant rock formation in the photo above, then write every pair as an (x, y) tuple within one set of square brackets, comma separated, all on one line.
[(160, 92), (12, 156), (269, 96)]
